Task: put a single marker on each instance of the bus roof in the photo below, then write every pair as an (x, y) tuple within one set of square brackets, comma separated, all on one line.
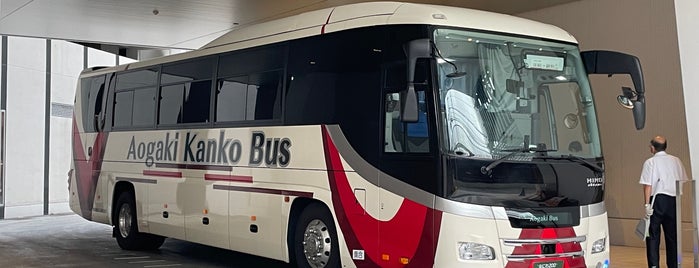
[(362, 15)]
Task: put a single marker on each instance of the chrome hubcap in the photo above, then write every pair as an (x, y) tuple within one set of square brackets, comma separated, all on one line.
[(124, 220), (317, 244)]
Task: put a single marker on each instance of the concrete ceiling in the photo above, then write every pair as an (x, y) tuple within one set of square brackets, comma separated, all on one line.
[(183, 24)]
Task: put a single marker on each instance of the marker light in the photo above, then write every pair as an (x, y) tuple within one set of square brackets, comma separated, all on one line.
[(475, 251), (599, 246)]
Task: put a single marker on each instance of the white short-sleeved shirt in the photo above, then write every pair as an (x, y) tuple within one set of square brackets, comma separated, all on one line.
[(661, 171)]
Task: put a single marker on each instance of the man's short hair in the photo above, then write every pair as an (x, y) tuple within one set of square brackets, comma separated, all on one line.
[(658, 146)]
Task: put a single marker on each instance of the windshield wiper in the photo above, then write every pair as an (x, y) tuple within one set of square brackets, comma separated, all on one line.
[(574, 158), (486, 169)]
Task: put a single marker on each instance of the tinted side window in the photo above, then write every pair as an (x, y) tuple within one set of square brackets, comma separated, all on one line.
[(197, 96), (249, 85), (144, 107), (92, 90), (123, 108), (134, 100), (199, 69), (136, 79), (253, 97), (263, 96), (171, 104), (231, 99), (185, 92), (251, 61)]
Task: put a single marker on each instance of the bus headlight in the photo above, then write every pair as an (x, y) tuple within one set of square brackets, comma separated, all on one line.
[(599, 246), (475, 251)]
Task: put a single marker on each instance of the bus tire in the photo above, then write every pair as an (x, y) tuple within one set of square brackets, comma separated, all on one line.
[(126, 226), (315, 242)]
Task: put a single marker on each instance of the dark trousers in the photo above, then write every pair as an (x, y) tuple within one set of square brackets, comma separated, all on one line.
[(663, 214)]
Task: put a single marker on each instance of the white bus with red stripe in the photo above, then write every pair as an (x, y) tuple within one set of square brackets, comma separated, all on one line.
[(368, 135)]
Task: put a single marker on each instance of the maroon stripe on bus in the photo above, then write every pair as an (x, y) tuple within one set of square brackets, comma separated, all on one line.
[(163, 173), (322, 29), (217, 177), (191, 166), (263, 190)]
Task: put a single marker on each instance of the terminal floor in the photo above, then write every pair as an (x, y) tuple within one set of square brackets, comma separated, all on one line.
[(70, 241), (633, 257)]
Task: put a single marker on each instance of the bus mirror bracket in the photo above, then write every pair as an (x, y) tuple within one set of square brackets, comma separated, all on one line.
[(419, 48), (611, 63)]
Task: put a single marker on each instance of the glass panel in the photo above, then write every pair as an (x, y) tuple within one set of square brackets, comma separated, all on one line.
[(231, 98), (405, 137), (123, 107), (569, 124), (393, 132), (92, 89), (136, 79), (502, 93), (189, 71), (197, 96), (263, 98), (171, 104), (417, 135), (251, 61), (144, 107), (518, 120)]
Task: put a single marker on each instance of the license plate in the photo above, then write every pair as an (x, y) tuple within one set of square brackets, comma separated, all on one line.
[(548, 264)]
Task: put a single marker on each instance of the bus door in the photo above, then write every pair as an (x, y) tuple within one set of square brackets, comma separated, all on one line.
[(409, 173)]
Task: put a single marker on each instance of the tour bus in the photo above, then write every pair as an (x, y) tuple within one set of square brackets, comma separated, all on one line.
[(378, 134)]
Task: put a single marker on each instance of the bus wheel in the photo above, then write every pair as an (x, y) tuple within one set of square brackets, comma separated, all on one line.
[(126, 227), (315, 239)]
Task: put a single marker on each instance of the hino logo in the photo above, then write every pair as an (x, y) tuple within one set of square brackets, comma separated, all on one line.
[(595, 182)]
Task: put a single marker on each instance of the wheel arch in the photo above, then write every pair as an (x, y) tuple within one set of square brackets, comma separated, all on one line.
[(119, 187), (297, 207)]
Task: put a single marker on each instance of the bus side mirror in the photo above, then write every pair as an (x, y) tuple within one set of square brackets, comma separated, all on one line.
[(610, 63), (419, 48)]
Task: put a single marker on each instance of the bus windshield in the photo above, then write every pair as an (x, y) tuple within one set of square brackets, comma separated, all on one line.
[(518, 102), (502, 93)]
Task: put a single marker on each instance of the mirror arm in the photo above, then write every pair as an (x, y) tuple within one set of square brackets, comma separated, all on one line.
[(610, 63), (419, 48)]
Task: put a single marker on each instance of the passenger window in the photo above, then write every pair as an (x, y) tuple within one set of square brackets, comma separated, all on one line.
[(185, 94), (170, 111), (231, 99), (185, 103), (253, 97), (251, 61), (93, 89), (144, 107), (263, 98), (123, 107), (200, 69), (137, 79), (197, 96)]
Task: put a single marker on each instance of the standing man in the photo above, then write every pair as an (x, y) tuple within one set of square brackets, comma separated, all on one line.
[(658, 178)]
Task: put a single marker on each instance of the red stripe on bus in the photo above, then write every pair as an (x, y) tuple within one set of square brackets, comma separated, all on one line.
[(411, 233), (322, 30), (87, 168), (217, 177), (192, 166), (263, 190), (169, 174)]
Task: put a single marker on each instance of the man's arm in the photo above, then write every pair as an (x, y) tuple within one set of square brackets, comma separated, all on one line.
[(647, 189)]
